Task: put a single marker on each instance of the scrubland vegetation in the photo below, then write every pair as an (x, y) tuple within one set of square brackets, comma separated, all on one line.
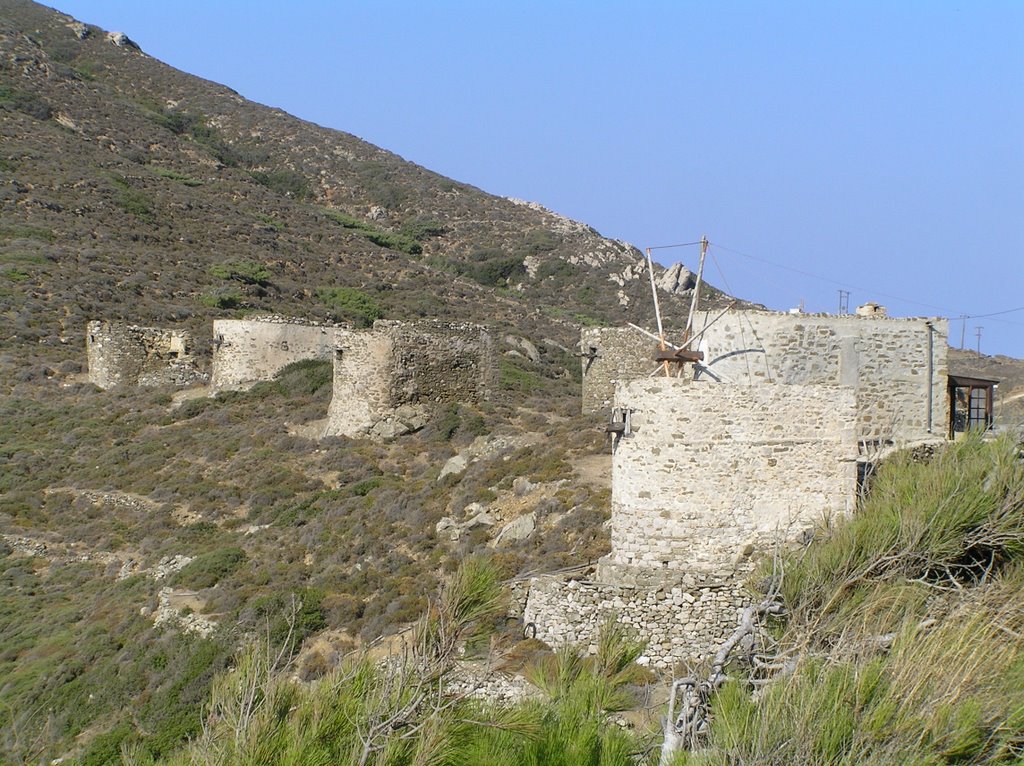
[(904, 642)]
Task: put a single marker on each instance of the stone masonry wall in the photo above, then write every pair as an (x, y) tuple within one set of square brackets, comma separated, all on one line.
[(440, 362), (408, 367), (247, 351), (886, 360), (363, 365), (710, 473), (612, 355), (123, 354), (682, 622)]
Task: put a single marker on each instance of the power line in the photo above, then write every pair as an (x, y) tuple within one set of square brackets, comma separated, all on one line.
[(835, 282), (994, 313), (946, 313), (666, 247)]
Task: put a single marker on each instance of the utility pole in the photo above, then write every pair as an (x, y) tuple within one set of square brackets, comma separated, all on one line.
[(977, 331), (963, 329), (844, 301)]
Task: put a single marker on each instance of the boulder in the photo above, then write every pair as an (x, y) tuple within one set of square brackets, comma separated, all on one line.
[(121, 40), (516, 530), (676, 279), (447, 529), (455, 465), (522, 486), (523, 345), (482, 519)]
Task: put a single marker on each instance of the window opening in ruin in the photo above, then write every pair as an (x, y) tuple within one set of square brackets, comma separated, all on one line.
[(338, 353), (92, 338)]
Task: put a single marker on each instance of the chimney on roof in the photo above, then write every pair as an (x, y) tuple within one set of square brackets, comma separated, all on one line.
[(871, 309)]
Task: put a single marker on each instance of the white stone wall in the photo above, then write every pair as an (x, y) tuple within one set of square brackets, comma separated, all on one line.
[(885, 360), (363, 366), (247, 351), (710, 473)]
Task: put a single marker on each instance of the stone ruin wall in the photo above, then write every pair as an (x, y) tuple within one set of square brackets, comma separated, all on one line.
[(247, 351), (886, 360), (680, 621), (122, 354), (708, 478), (441, 362), (401, 366), (612, 355), (710, 473)]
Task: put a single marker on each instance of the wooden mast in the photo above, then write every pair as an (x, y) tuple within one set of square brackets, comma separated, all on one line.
[(657, 309), (696, 289), (678, 355)]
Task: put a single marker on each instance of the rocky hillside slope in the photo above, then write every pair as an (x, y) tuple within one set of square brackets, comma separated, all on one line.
[(132, 190), (142, 542)]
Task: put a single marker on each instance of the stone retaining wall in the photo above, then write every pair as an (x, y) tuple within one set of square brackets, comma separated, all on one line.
[(680, 623)]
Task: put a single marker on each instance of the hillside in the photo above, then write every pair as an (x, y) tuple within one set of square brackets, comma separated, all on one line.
[(145, 537), (142, 542), (126, 183)]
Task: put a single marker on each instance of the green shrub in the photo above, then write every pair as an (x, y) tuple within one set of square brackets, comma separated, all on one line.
[(27, 103), (173, 175), (345, 220), (22, 231), (493, 268), (393, 241), (512, 376), (556, 267), (208, 569), (247, 272), (352, 305), (421, 228), (365, 487), (306, 377), (88, 70), (946, 521), (222, 300), (541, 241), (133, 201), (290, 183)]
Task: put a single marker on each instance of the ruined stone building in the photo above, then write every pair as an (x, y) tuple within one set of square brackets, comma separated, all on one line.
[(713, 468), (123, 354), (896, 367), (247, 351), (388, 378)]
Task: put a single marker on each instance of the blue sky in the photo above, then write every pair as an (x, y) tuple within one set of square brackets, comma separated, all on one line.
[(876, 147)]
